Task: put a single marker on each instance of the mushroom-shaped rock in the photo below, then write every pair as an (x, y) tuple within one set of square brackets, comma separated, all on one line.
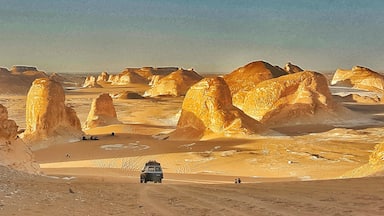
[(251, 74), (102, 112), (291, 99), (207, 108), (90, 82), (46, 112), (291, 68), (360, 78), (175, 84), (13, 151)]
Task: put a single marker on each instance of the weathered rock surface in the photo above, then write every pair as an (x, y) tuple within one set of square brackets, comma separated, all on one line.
[(248, 76), (175, 84), (13, 151), (18, 81), (46, 112), (90, 82), (207, 108), (291, 99), (102, 112), (360, 78), (291, 68)]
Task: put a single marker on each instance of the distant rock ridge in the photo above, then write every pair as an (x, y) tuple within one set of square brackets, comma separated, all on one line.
[(148, 72), (13, 151), (19, 79), (21, 69), (207, 109), (248, 76), (46, 113), (175, 84), (360, 78), (102, 112), (297, 98)]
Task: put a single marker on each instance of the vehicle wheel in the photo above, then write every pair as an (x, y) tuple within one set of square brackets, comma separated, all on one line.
[(141, 181), (159, 180)]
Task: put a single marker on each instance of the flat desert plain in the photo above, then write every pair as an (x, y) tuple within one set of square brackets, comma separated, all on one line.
[(298, 170)]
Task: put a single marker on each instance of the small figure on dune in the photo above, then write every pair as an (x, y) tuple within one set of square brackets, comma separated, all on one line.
[(237, 181)]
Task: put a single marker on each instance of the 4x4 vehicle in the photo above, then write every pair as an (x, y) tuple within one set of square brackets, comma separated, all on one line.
[(151, 172)]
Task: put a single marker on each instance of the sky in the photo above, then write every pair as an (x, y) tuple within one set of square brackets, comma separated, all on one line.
[(207, 35)]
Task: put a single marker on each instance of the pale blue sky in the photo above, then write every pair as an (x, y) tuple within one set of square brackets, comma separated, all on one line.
[(208, 35)]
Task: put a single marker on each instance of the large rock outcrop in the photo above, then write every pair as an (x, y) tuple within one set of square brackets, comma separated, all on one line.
[(207, 108), (13, 151), (175, 84), (21, 69), (46, 112), (148, 72), (250, 75), (126, 77), (360, 78), (291, 99), (102, 112), (19, 79)]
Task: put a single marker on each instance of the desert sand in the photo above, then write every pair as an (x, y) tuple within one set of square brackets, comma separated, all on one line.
[(286, 170)]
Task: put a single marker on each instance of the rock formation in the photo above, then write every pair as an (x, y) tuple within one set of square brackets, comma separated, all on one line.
[(19, 80), (13, 151), (207, 108), (359, 78), (291, 68), (102, 112), (90, 82), (148, 72), (103, 77), (126, 77), (374, 99), (46, 112), (291, 99), (251, 74), (8, 128), (175, 84), (21, 69)]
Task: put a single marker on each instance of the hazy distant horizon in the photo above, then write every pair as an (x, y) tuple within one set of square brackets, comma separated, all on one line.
[(215, 36)]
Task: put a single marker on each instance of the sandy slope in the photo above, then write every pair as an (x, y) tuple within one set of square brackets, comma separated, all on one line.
[(25, 195)]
